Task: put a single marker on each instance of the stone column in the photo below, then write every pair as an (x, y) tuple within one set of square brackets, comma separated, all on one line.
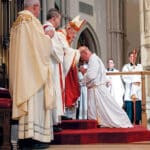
[(50, 4), (145, 47), (46, 5), (115, 32), (44, 11)]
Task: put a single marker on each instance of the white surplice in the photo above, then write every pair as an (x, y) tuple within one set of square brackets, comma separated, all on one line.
[(116, 87), (101, 105), (57, 58), (130, 88)]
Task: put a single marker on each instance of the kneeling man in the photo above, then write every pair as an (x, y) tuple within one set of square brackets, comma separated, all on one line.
[(101, 105)]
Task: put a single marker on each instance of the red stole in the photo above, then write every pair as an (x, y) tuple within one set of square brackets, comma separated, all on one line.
[(72, 87)]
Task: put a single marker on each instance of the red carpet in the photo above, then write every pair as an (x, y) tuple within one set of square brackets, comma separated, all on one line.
[(86, 132), (79, 124)]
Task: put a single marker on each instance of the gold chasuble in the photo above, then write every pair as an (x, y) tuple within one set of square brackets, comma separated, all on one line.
[(30, 78)]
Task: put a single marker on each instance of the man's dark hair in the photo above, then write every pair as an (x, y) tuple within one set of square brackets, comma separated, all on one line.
[(130, 53), (110, 59), (53, 12)]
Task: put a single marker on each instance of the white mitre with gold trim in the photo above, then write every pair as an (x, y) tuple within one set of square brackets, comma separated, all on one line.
[(77, 23)]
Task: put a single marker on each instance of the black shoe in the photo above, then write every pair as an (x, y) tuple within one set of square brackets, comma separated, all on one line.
[(65, 118), (101, 126), (25, 144), (137, 122), (57, 128), (30, 144), (40, 145), (98, 126)]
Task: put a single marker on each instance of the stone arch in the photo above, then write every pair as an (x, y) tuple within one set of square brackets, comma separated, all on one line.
[(88, 37)]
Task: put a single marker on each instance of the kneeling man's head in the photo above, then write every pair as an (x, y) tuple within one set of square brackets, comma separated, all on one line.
[(85, 53)]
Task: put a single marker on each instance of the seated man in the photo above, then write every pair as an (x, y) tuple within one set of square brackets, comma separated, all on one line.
[(101, 105)]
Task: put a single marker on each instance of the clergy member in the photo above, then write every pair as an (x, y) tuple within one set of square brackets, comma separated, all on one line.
[(50, 26), (133, 89), (101, 105), (30, 76), (71, 58), (114, 84)]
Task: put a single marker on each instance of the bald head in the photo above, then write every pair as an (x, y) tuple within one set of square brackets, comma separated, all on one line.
[(85, 53), (33, 6), (83, 49), (28, 3)]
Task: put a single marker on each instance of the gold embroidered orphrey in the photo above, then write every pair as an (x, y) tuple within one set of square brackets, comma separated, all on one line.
[(21, 19)]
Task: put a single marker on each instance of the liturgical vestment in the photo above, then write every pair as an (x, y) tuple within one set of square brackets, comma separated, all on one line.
[(57, 57), (101, 105), (71, 58), (30, 78), (116, 87)]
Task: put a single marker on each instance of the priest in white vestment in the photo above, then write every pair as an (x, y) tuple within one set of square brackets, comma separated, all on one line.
[(101, 105), (30, 75), (53, 22), (115, 84), (64, 58)]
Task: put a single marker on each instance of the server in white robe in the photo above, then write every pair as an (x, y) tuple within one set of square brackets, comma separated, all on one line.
[(114, 84), (132, 89), (101, 105)]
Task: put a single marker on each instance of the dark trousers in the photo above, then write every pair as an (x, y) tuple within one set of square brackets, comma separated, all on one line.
[(129, 108)]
